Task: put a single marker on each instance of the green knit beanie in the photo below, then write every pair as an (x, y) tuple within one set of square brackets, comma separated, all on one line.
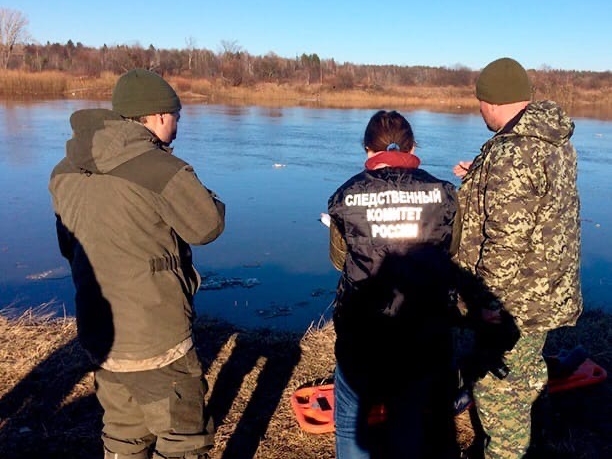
[(503, 81), (141, 92)]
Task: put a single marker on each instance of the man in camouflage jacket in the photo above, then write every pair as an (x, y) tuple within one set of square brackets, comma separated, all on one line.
[(521, 239)]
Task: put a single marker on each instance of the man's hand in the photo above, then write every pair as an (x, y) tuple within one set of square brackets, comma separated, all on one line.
[(461, 168)]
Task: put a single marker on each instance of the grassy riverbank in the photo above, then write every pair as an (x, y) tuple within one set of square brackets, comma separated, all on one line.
[(48, 409), (579, 102)]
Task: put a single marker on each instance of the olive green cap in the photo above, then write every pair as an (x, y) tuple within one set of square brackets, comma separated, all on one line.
[(141, 92), (503, 81)]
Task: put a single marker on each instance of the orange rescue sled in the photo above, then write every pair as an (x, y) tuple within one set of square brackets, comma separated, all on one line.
[(314, 408), (586, 374), (572, 368)]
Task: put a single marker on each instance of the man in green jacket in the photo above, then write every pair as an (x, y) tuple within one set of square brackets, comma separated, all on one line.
[(521, 239), (127, 210)]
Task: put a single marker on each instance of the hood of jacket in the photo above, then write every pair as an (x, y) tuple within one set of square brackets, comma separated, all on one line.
[(543, 120), (102, 140)]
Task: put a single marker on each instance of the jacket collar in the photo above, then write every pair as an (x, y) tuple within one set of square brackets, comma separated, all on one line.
[(393, 159)]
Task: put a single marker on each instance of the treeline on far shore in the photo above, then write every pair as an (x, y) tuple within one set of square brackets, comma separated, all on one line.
[(73, 70)]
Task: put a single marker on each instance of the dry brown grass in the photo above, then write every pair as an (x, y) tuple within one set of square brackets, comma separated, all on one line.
[(47, 406), (20, 84), (269, 94), (49, 85), (52, 84)]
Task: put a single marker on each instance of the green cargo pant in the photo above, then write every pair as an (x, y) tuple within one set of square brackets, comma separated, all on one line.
[(504, 405), (160, 411)]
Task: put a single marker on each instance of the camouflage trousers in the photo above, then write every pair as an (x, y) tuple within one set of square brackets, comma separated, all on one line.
[(156, 413), (504, 405)]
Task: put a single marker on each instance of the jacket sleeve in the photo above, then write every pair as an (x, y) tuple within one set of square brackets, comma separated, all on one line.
[(192, 210), (456, 235), (337, 246)]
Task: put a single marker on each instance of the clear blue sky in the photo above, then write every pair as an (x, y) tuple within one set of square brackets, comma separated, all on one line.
[(562, 34)]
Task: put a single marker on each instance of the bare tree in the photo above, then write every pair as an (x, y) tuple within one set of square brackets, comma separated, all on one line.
[(12, 31), (191, 46), (231, 48), (232, 57)]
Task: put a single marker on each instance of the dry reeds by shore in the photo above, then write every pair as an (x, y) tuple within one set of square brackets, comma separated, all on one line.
[(47, 406), (20, 84), (48, 84), (56, 84), (450, 99)]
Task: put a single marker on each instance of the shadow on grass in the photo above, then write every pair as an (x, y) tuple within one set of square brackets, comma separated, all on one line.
[(44, 412), (249, 384), (52, 411)]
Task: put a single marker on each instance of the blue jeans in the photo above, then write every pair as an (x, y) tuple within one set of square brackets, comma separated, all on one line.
[(351, 428), (419, 422)]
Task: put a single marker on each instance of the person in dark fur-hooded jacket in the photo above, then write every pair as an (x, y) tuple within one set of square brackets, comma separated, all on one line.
[(127, 211), (391, 237)]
